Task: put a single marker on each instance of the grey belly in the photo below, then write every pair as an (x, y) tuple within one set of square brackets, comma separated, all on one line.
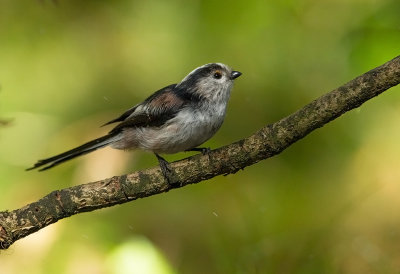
[(172, 138), (175, 137)]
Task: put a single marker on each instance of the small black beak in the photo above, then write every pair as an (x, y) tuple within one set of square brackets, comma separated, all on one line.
[(235, 74)]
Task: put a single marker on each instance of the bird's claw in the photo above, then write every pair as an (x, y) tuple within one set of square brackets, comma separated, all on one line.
[(165, 169), (203, 150)]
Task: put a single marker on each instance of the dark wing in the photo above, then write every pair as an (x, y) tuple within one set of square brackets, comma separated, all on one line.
[(127, 113), (154, 111), (123, 116)]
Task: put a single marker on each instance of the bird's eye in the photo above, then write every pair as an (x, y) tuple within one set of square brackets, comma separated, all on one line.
[(217, 75)]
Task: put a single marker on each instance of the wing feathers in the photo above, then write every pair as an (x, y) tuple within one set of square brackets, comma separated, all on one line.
[(122, 117), (154, 111)]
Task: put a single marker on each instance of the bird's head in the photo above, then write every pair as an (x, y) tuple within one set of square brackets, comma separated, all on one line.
[(212, 81)]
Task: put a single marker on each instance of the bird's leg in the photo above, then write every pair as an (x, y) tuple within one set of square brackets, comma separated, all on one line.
[(164, 165), (203, 150)]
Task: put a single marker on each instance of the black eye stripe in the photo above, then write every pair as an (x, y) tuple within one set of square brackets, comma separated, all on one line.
[(217, 75), (201, 73)]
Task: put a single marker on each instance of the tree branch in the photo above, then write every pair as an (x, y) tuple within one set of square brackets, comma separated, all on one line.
[(265, 143)]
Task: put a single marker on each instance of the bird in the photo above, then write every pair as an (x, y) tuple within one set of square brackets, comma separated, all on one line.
[(178, 117)]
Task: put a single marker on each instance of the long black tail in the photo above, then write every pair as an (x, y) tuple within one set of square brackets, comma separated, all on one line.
[(73, 153)]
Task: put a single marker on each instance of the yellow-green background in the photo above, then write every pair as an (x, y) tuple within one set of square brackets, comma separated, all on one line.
[(328, 204)]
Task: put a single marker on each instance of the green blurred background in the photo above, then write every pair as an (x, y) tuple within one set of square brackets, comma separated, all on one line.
[(328, 204)]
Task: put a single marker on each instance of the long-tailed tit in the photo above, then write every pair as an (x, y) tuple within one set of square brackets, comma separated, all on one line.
[(177, 118)]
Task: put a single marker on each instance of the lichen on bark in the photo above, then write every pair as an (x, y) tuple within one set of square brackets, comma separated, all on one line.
[(266, 142)]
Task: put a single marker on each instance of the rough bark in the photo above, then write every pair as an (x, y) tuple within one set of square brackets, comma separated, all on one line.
[(267, 142)]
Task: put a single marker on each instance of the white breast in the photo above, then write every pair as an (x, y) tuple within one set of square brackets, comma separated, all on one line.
[(189, 129)]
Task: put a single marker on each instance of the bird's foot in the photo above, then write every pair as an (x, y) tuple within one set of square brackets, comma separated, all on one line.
[(203, 150), (165, 169)]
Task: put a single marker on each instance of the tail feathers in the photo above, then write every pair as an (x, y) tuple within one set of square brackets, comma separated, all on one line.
[(73, 153)]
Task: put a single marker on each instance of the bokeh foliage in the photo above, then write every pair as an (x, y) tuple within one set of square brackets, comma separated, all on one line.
[(328, 204)]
